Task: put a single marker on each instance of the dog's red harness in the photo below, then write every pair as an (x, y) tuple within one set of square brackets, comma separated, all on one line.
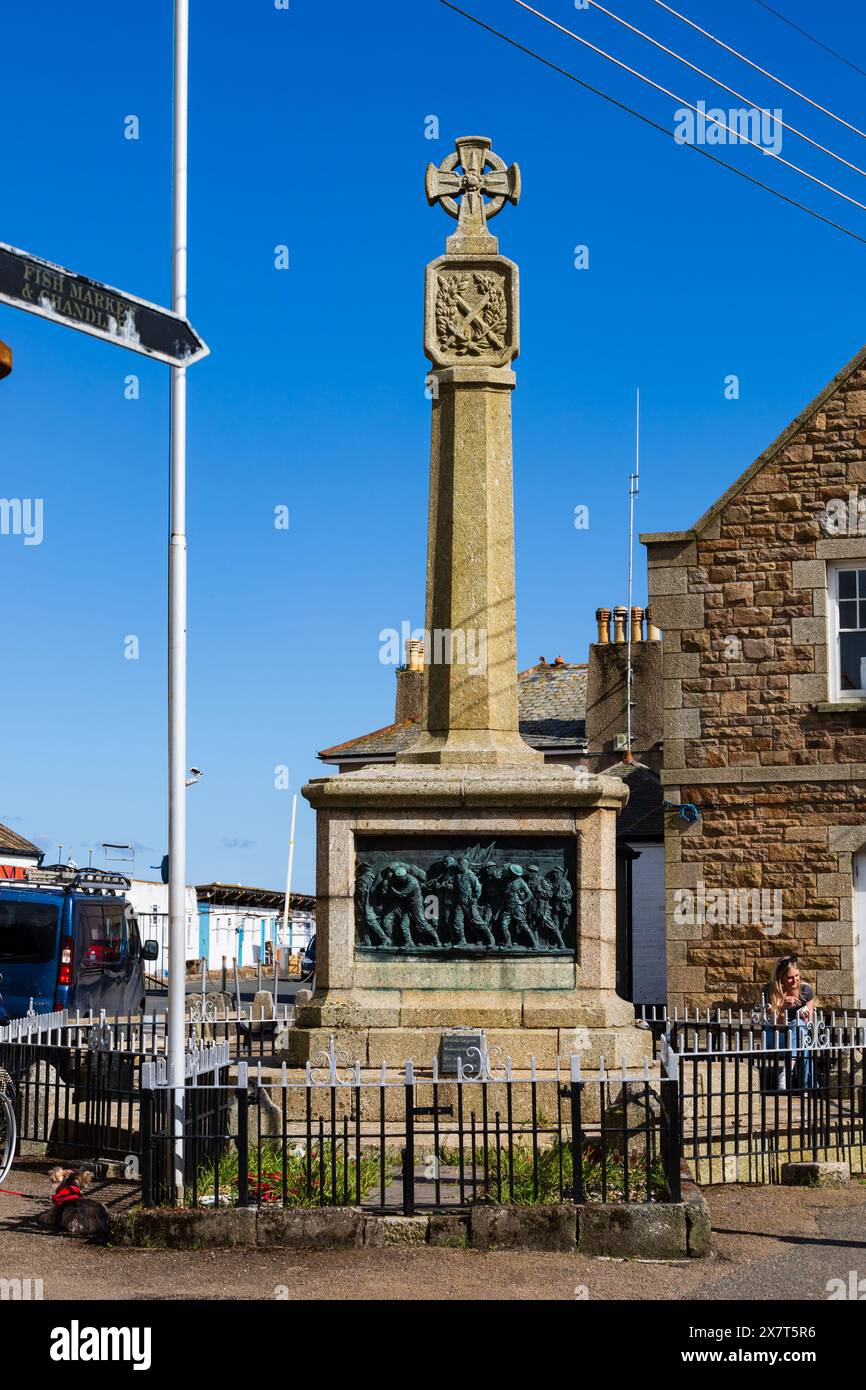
[(68, 1191)]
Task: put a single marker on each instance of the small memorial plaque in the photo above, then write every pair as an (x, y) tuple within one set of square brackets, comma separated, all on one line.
[(467, 1045)]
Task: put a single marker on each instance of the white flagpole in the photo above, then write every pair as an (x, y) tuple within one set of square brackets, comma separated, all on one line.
[(289, 871), (177, 609)]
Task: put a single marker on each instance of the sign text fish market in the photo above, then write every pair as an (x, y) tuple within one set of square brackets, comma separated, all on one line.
[(40, 287)]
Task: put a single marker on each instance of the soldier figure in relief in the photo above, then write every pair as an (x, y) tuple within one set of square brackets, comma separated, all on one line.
[(516, 897), (441, 884), (542, 892), (404, 898), (467, 893), (365, 915), (563, 898)]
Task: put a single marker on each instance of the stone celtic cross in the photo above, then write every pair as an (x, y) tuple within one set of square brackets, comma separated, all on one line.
[(482, 174), (471, 336)]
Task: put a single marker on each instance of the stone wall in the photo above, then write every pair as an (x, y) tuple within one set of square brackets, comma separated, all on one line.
[(753, 731)]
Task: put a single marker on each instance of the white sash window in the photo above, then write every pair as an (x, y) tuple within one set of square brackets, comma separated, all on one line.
[(847, 593)]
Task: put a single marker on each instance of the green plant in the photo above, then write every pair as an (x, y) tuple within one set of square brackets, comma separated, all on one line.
[(307, 1183), (548, 1176)]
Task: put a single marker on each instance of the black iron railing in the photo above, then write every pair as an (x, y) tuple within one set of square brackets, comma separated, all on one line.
[(421, 1143), (791, 1094)]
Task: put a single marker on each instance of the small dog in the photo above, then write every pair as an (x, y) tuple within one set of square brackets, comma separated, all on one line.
[(71, 1212)]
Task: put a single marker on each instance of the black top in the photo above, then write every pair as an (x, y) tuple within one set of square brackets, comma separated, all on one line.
[(807, 994)]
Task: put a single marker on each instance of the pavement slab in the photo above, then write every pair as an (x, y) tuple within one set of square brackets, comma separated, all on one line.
[(768, 1243)]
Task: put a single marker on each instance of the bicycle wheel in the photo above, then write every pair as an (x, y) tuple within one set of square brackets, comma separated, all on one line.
[(8, 1134)]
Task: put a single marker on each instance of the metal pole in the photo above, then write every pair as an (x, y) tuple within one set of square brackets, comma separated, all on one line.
[(632, 494), (289, 873), (177, 612)]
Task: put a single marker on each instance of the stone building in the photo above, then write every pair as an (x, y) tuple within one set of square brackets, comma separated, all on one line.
[(763, 606)]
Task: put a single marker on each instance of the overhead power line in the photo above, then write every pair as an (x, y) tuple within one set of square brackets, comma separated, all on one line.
[(811, 37), (763, 71), (733, 90), (744, 139), (654, 125)]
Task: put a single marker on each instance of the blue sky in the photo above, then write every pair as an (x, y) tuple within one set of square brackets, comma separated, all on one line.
[(308, 129)]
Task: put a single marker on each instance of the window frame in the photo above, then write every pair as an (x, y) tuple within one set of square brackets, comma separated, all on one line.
[(106, 959), (834, 658)]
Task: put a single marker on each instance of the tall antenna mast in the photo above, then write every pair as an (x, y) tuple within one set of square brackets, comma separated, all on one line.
[(633, 489)]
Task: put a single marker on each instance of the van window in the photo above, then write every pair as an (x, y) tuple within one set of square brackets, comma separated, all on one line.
[(28, 931), (101, 934), (114, 937)]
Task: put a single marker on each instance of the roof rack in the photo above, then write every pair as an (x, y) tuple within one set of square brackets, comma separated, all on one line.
[(78, 880)]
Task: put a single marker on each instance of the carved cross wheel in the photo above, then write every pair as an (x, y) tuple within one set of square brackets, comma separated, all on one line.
[(482, 174)]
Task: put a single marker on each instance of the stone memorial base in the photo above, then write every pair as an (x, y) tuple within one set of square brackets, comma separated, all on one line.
[(388, 1001)]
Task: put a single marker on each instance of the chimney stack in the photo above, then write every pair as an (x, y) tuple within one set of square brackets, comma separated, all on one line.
[(607, 687), (410, 683)]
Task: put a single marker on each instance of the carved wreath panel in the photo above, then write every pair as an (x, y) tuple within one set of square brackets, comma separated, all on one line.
[(471, 312)]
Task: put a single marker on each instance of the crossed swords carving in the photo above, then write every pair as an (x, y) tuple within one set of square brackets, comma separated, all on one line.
[(469, 317)]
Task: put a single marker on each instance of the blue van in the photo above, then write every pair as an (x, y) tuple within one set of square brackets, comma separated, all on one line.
[(69, 940)]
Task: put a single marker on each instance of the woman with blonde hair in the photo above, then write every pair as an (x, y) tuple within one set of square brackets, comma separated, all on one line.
[(786, 996), (789, 1005)]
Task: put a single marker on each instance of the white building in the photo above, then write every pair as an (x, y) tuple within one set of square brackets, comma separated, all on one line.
[(246, 924), (17, 854), (149, 901)]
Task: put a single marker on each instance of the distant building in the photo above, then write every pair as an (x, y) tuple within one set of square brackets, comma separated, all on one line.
[(17, 854), (150, 902), (246, 924)]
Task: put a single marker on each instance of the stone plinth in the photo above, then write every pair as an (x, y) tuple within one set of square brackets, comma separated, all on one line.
[(388, 1006)]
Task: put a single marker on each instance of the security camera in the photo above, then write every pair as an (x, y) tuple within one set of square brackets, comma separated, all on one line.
[(194, 774)]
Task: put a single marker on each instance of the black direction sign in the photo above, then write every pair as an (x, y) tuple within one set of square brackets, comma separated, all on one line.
[(28, 282)]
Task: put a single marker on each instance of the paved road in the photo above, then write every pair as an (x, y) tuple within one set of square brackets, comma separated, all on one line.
[(769, 1243)]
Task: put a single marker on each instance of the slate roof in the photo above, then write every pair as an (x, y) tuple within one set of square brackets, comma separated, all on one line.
[(551, 709), (13, 843)]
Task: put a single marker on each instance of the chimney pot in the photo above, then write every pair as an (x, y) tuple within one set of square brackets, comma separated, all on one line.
[(653, 634), (637, 624), (620, 617), (602, 617), (415, 654), (559, 661)]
